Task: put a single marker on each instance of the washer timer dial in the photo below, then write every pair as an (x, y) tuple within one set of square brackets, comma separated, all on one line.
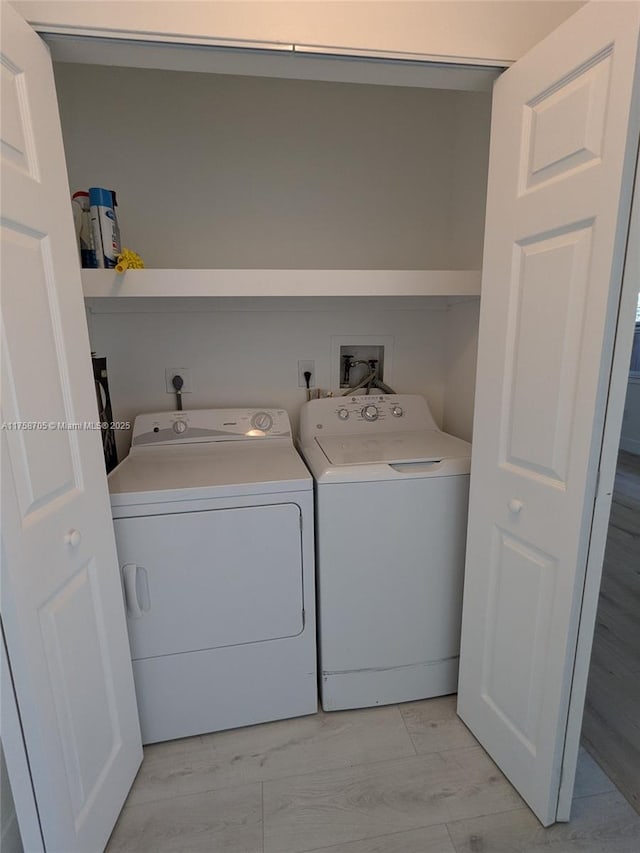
[(179, 427), (343, 414), (370, 413)]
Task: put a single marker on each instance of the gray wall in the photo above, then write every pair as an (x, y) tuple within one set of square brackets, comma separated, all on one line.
[(247, 172)]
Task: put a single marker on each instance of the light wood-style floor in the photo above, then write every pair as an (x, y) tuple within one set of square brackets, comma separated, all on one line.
[(399, 779), (611, 727)]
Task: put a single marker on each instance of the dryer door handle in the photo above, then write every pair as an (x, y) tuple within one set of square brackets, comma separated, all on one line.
[(130, 575)]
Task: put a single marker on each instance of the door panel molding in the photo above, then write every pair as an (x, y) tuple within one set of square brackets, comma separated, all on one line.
[(563, 127), (538, 433)]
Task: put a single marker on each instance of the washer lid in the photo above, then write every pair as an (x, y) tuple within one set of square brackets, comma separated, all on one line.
[(393, 447), (207, 470)]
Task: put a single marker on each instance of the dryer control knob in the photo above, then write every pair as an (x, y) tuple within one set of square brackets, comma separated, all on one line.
[(343, 414), (370, 413), (262, 421), (179, 427), (397, 411)]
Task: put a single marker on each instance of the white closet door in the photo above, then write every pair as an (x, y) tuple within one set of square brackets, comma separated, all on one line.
[(62, 606), (563, 142)]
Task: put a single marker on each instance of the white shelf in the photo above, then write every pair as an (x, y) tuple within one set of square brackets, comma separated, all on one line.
[(217, 282)]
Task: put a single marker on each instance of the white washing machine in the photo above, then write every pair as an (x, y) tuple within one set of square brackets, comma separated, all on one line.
[(391, 514), (213, 514)]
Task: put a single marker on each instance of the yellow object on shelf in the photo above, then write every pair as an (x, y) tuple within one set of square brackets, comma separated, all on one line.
[(129, 260)]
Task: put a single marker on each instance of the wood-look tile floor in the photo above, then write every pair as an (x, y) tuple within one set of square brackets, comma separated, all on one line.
[(611, 727), (399, 779)]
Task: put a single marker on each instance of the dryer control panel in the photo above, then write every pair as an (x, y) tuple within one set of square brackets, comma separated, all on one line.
[(203, 425), (363, 413)]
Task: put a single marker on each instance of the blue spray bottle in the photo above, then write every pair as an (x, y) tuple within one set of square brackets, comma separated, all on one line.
[(106, 233)]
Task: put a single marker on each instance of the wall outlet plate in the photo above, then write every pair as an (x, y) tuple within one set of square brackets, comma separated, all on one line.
[(185, 372), (303, 366)]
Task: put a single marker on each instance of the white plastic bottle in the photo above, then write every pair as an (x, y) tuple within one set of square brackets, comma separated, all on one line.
[(84, 230)]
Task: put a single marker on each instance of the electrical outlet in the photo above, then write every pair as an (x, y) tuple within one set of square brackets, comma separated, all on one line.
[(304, 366), (170, 372)]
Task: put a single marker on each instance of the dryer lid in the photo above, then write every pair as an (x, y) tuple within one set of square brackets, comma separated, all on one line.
[(392, 447)]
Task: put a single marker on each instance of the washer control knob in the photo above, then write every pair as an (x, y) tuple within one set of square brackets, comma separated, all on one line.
[(343, 414), (179, 427), (262, 421), (370, 413), (397, 411)]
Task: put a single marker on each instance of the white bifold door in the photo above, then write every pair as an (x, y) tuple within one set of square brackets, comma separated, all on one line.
[(564, 140), (62, 607)]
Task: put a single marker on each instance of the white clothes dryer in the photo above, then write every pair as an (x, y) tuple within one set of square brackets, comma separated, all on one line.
[(391, 514), (213, 515)]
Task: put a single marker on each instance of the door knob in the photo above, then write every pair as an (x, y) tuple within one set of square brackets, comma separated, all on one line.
[(515, 505), (73, 538)]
